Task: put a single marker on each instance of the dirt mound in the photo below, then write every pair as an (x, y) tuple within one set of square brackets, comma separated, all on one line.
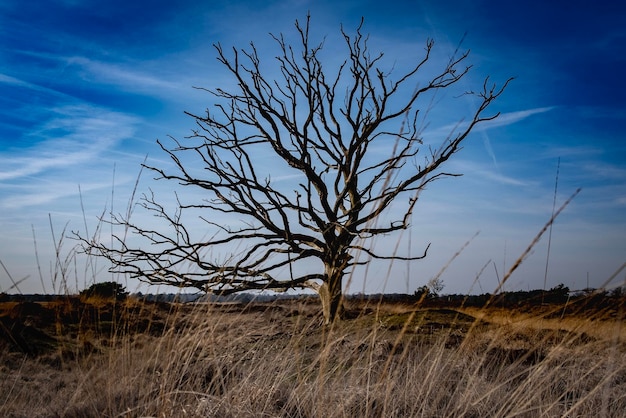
[(72, 324), (428, 319), (17, 336), (33, 313)]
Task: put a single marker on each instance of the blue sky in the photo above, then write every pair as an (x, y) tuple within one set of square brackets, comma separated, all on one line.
[(87, 87)]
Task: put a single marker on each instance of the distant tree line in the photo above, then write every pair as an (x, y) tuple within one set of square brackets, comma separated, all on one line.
[(424, 295)]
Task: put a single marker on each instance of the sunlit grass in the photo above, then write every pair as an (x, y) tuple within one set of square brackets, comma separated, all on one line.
[(277, 360)]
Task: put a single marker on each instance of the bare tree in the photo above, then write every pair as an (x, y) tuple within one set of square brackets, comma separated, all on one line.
[(326, 129)]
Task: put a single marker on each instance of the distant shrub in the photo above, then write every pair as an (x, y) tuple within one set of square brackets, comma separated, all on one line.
[(423, 292), (558, 294), (105, 290)]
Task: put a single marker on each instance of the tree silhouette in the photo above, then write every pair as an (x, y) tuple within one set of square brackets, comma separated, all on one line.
[(324, 129), (105, 290)]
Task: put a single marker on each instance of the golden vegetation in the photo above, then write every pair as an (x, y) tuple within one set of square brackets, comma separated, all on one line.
[(73, 358)]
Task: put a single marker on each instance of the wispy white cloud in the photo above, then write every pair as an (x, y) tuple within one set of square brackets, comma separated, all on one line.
[(605, 171), (6, 79), (158, 78), (286, 177), (486, 172), (557, 150), (500, 178), (120, 75), (47, 192), (510, 118), (504, 119), (74, 135), (18, 82), (433, 136)]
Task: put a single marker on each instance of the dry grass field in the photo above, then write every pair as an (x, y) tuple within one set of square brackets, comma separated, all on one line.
[(96, 358)]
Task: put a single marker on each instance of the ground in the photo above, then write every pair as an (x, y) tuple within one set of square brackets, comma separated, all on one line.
[(95, 357)]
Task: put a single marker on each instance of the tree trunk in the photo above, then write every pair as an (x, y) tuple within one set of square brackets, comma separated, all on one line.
[(331, 296)]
